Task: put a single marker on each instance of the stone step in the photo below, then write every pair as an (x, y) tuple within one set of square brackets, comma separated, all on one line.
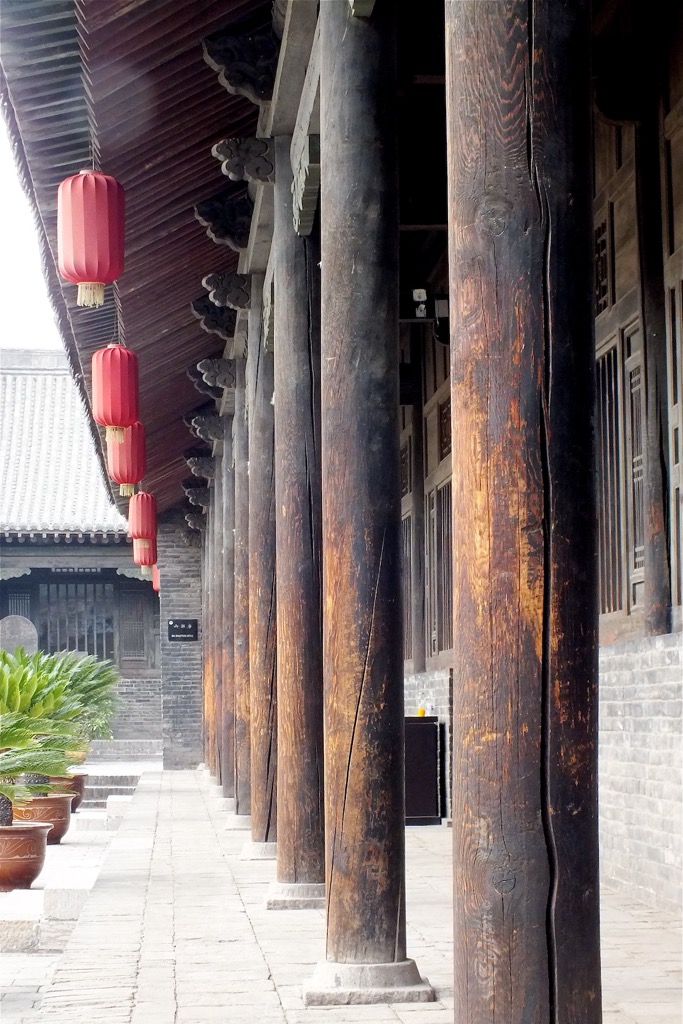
[(112, 780)]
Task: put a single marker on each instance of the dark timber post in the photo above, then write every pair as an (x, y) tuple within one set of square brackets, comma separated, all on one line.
[(300, 815), (217, 614), (208, 674), (657, 568), (417, 533), (262, 613), (241, 605), (525, 826), (362, 618), (227, 626)]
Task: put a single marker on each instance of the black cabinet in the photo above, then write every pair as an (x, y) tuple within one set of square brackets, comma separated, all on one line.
[(423, 771)]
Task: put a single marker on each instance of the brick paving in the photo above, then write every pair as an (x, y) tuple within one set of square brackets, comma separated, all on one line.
[(175, 931)]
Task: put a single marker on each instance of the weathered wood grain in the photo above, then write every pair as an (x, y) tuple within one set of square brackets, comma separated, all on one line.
[(227, 637), (362, 626), (300, 813), (262, 609), (525, 614), (216, 584), (241, 594)]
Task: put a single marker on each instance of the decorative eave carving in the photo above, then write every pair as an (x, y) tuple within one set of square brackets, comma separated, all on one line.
[(246, 64), (13, 574), (132, 572), (361, 8), (196, 520), (306, 185), (227, 219), (219, 373), (228, 289), (246, 159), (202, 466), (201, 385), (198, 495), (215, 319), (209, 427)]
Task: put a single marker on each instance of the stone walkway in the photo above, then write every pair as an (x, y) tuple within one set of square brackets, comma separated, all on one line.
[(175, 931)]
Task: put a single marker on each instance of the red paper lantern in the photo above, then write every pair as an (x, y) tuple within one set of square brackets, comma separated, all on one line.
[(126, 461), (115, 389), (156, 579), (142, 518), (145, 553), (90, 233)]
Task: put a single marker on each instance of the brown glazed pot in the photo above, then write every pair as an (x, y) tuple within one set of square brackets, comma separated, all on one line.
[(55, 809), (71, 784), (22, 853)]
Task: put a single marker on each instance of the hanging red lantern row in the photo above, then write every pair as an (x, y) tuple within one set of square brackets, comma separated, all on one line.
[(142, 519), (90, 233), (145, 555), (115, 389), (156, 578), (126, 461)]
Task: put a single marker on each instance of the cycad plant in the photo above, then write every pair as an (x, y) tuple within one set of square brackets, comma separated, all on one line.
[(28, 744)]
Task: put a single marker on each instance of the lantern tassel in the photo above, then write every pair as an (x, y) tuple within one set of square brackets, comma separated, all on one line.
[(90, 293), (115, 434), (126, 490)]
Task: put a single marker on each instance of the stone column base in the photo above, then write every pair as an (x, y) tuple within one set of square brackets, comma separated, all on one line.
[(258, 851), (335, 984), (239, 822), (223, 803), (295, 896)]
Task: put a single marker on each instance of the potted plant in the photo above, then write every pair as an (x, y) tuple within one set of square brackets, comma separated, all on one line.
[(26, 745)]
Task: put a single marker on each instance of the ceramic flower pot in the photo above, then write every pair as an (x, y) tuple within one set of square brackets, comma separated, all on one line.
[(22, 853), (71, 784), (55, 808)]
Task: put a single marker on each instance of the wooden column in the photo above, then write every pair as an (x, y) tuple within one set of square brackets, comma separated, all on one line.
[(300, 824), (217, 614), (262, 613), (362, 623), (227, 637), (241, 592), (417, 533), (525, 824), (208, 647), (657, 567)]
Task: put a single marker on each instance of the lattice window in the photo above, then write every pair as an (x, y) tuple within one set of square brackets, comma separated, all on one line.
[(636, 455), (601, 262), (76, 617), (132, 626), (407, 585), (609, 482), (444, 429), (406, 474), (439, 569), (19, 603)]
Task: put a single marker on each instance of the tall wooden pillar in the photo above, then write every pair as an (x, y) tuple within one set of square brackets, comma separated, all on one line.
[(227, 639), (417, 534), (240, 440), (362, 617), (300, 815), (525, 825), (208, 646), (217, 615), (262, 612)]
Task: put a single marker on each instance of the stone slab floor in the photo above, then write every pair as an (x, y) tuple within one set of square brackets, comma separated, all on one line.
[(175, 931)]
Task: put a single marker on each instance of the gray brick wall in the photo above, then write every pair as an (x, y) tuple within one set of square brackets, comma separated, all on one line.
[(179, 561), (139, 713), (641, 798)]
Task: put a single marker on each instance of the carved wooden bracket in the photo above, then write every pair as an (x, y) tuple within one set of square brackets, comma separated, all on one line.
[(228, 289), (246, 64), (246, 159), (202, 465), (208, 427), (361, 8), (215, 319), (198, 495), (201, 385), (219, 373), (227, 219), (306, 185), (196, 520)]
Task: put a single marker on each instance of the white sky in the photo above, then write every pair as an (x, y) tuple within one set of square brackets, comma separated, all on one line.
[(26, 319)]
